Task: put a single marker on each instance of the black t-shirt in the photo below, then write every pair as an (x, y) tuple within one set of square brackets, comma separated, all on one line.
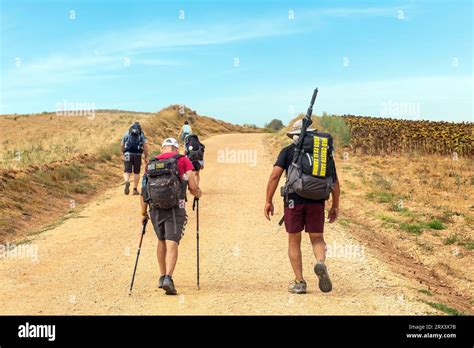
[(284, 161)]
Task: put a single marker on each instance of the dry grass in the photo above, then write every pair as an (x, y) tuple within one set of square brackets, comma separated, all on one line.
[(40, 139), (64, 159), (168, 122), (418, 207)]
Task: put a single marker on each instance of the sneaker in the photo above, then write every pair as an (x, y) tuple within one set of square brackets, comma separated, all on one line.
[(127, 188), (321, 271), (168, 286), (297, 287), (160, 282), (135, 192)]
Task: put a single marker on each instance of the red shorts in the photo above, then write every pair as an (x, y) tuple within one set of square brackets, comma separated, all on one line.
[(307, 216)]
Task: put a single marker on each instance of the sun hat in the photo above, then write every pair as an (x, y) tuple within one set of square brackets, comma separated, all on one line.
[(296, 129)]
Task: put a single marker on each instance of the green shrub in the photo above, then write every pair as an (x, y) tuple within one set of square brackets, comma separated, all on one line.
[(451, 239), (274, 125), (435, 225), (443, 308), (337, 127), (411, 228), (381, 196), (387, 218)]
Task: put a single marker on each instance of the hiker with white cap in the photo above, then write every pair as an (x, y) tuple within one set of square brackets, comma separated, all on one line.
[(163, 191)]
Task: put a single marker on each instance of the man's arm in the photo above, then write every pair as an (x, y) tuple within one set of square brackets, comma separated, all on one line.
[(144, 206), (193, 187), (122, 146), (334, 211), (145, 152), (272, 185)]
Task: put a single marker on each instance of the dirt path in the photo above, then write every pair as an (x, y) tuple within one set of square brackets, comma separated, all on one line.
[(84, 266)]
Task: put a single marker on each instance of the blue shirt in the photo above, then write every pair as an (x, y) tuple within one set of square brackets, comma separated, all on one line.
[(125, 138), (186, 129)]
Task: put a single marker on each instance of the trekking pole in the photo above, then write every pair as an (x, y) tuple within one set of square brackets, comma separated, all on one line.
[(138, 255), (196, 205)]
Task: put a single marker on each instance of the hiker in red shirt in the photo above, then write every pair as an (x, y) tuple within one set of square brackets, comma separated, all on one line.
[(163, 191)]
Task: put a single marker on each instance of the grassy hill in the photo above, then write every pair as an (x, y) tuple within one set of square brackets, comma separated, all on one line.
[(51, 165)]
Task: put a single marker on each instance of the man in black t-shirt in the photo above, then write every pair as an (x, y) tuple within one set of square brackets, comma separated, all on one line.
[(303, 213)]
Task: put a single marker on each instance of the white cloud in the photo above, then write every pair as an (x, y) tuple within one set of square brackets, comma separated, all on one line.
[(99, 56)]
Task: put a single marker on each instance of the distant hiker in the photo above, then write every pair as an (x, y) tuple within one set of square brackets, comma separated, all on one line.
[(133, 146), (185, 130), (194, 150), (318, 168), (163, 191)]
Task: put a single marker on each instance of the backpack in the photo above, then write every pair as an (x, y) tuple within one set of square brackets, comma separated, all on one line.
[(312, 176), (194, 148), (134, 142), (164, 186)]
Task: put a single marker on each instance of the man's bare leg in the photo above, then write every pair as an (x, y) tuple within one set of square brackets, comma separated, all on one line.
[(319, 245), (319, 250), (161, 256), (294, 253), (171, 256), (136, 179), (126, 177)]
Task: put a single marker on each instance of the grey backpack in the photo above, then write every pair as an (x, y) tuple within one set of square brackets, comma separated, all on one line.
[(164, 186), (311, 176)]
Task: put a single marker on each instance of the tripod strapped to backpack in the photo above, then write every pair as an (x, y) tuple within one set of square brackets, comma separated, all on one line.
[(307, 121)]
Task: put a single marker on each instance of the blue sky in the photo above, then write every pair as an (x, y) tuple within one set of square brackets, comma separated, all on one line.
[(240, 61)]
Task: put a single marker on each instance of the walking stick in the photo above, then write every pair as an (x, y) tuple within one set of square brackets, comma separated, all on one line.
[(138, 255), (196, 205)]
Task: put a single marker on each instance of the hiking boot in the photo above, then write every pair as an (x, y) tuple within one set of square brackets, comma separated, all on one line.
[(160, 282), (297, 287), (135, 192), (321, 271), (127, 188), (168, 286)]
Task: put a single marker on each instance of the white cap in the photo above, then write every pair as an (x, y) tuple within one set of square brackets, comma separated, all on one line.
[(170, 142)]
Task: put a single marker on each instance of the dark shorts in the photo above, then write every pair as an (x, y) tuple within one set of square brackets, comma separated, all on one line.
[(164, 223), (134, 163), (307, 216)]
